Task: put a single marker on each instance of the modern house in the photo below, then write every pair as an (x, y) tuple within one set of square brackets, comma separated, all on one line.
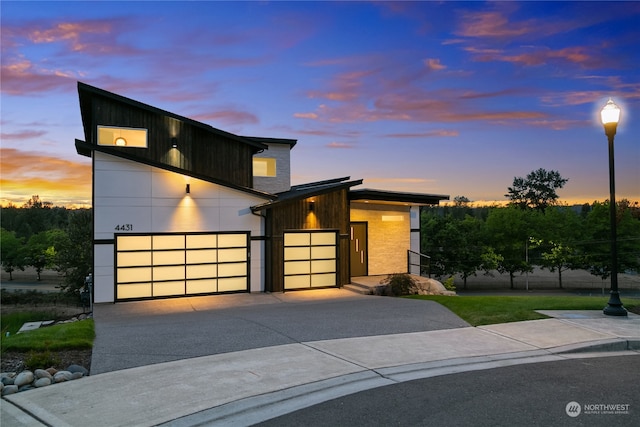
[(182, 208)]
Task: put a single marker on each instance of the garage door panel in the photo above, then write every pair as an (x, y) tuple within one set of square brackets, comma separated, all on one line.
[(323, 280), (130, 259), (134, 290), (168, 257), (297, 282), (202, 256), (165, 265), (232, 284), (310, 259), (168, 273), (230, 255), (202, 271), (202, 286), (163, 289), (142, 274), (230, 270), (324, 266)]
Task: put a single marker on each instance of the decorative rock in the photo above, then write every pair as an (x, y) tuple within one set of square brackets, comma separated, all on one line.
[(62, 376), (24, 378), (41, 373), (42, 382), (52, 371), (25, 387), (78, 368), (9, 389), (9, 379)]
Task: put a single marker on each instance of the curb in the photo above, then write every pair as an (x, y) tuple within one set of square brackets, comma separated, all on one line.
[(260, 408)]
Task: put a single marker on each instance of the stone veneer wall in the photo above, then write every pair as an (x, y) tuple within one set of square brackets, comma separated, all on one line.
[(282, 180), (389, 236)]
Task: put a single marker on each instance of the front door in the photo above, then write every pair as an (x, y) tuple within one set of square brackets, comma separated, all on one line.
[(359, 264)]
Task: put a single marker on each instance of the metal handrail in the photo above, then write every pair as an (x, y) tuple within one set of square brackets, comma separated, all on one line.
[(422, 268)]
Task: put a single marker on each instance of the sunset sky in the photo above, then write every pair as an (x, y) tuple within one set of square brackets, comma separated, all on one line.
[(447, 97)]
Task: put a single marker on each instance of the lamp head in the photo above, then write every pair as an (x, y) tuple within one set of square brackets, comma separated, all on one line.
[(610, 115), (120, 141)]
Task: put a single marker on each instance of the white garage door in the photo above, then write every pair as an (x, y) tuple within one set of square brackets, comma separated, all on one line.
[(310, 259), (165, 265)]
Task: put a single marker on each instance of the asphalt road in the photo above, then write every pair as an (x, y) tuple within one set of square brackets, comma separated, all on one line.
[(522, 395)]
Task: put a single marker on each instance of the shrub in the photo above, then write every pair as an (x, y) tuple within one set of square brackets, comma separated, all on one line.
[(398, 284), (448, 284), (41, 359)]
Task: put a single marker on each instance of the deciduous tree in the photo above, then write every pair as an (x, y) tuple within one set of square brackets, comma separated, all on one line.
[(537, 190)]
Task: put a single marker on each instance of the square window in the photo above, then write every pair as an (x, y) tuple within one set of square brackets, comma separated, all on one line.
[(263, 166)]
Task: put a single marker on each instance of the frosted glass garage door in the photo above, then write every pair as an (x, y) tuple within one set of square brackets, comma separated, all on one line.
[(310, 259), (166, 265)]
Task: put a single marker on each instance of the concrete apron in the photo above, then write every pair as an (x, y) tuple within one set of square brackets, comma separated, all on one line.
[(231, 387)]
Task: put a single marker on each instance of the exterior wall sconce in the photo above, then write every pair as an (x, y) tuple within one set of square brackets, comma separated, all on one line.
[(312, 205), (188, 189), (120, 141), (174, 144)]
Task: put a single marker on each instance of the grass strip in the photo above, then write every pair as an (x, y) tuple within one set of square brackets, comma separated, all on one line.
[(66, 336), (488, 310)]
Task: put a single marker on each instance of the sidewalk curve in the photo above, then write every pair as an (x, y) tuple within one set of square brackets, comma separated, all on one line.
[(246, 387)]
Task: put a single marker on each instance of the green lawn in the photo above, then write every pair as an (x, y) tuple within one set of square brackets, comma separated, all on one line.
[(487, 310), (76, 335)]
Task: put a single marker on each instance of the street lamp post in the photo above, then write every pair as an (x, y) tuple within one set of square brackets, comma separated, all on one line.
[(610, 116)]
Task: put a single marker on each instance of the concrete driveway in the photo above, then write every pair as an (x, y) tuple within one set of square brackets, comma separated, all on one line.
[(142, 333)]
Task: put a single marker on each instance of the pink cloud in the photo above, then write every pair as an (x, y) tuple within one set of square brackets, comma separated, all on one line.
[(430, 134), (541, 56), (339, 145), (434, 64), (27, 134), (491, 24), (22, 77)]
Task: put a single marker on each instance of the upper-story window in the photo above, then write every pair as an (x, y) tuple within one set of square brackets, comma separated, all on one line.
[(122, 137), (264, 166)]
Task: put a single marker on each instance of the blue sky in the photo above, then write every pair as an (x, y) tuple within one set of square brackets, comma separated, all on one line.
[(448, 97)]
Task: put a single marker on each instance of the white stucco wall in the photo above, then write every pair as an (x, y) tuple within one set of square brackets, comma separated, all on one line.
[(389, 236), (152, 200)]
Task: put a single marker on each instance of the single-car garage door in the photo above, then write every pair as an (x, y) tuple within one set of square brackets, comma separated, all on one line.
[(170, 264), (310, 259)]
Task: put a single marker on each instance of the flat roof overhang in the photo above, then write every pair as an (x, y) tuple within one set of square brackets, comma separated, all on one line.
[(395, 197)]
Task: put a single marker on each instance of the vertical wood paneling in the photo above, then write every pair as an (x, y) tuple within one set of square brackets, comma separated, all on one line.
[(199, 150), (331, 212)]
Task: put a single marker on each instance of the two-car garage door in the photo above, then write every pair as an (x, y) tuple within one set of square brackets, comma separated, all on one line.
[(164, 265)]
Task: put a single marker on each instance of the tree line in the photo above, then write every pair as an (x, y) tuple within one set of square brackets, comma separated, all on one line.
[(533, 230), (44, 236)]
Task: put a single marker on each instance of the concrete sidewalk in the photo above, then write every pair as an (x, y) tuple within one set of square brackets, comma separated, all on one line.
[(246, 387)]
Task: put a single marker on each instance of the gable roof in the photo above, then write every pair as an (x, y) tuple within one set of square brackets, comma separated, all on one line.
[(303, 191)]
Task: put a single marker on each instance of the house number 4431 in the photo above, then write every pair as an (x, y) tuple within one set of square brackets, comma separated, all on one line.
[(124, 227)]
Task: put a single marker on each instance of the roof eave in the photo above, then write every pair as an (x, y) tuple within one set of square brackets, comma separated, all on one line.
[(419, 199)]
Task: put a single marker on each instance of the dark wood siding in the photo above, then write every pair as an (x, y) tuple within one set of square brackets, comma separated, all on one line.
[(201, 151), (330, 212)]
